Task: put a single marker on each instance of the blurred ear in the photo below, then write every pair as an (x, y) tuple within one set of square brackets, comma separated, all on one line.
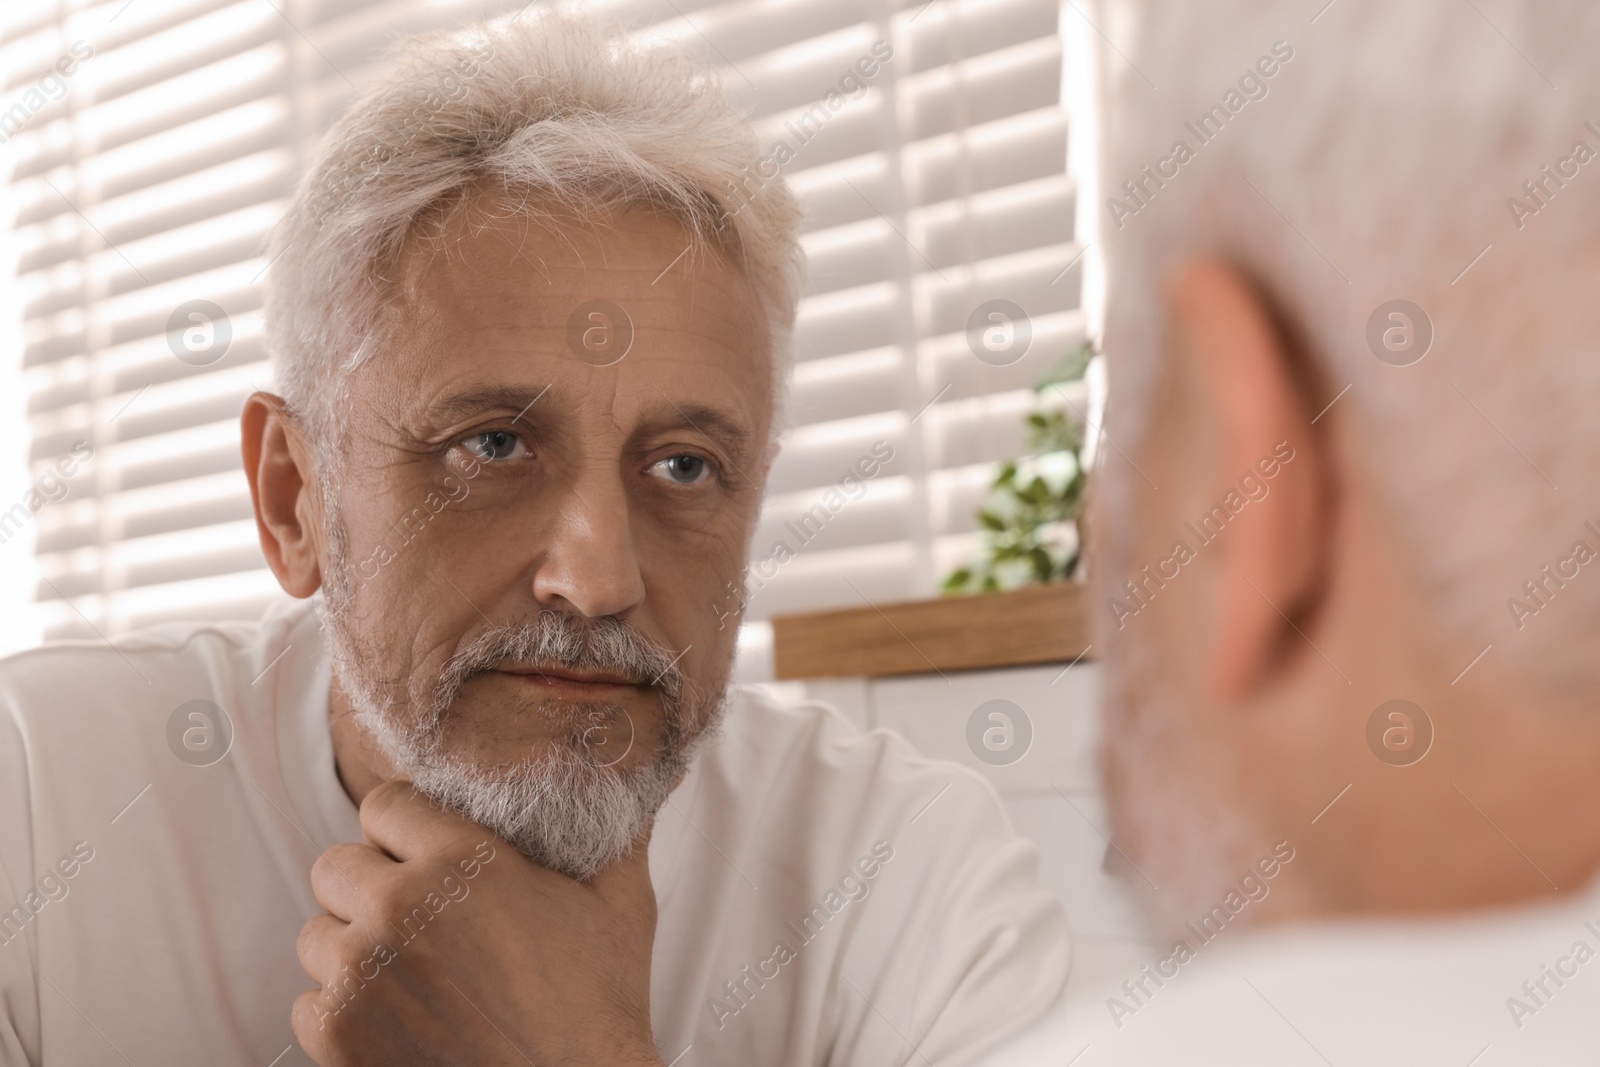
[(282, 473), (1238, 362)]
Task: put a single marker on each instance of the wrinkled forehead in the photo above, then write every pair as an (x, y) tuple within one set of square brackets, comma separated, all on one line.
[(621, 306), (517, 254)]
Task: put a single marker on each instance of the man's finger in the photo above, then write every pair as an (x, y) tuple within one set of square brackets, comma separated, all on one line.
[(309, 1020), (320, 948), (346, 877), (407, 825)]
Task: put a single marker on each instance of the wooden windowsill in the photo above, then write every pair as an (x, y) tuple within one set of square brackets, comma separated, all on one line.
[(1036, 624)]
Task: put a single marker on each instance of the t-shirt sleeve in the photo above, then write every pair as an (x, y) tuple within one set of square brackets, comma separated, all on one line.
[(998, 957), (19, 989), (978, 949)]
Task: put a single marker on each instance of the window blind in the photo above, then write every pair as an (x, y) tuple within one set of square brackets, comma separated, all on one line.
[(927, 141)]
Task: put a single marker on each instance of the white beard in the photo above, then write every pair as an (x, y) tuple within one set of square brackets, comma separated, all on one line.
[(1164, 789), (570, 809), (1166, 784)]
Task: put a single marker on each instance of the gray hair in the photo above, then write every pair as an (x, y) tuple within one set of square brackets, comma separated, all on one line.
[(1383, 161), (568, 115)]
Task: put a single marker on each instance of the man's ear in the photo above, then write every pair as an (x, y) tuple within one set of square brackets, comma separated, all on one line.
[(1272, 550), (282, 471)]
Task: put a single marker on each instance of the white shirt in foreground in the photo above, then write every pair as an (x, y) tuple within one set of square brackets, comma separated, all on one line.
[(149, 905), (1512, 987)]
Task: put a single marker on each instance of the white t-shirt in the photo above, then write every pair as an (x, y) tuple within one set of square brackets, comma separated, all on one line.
[(1511, 987), (157, 899)]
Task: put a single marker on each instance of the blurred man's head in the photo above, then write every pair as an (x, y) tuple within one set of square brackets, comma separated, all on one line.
[(1327, 509), (530, 320)]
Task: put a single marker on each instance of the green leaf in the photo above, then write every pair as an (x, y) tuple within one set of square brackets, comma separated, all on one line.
[(1033, 499), (1069, 368)]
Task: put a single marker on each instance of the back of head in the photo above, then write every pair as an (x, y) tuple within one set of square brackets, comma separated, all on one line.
[(1411, 194), (1417, 152)]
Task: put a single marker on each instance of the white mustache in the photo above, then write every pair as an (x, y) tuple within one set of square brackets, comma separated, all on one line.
[(555, 640)]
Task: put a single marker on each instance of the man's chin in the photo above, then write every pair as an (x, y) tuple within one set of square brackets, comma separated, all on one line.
[(1182, 840), (573, 784), (557, 808), (1181, 847), (604, 739)]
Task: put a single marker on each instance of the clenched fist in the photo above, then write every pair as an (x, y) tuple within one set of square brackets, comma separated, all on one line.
[(444, 945)]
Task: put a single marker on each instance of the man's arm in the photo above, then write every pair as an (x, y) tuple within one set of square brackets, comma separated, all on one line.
[(979, 954)]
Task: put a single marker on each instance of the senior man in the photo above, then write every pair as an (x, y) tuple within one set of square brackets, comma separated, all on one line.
[(1346, 578), (498, 800)]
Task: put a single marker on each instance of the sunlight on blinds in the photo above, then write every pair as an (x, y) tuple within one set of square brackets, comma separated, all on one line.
[(928, 142)]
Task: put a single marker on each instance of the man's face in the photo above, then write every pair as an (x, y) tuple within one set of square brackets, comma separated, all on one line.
[(538, 535)]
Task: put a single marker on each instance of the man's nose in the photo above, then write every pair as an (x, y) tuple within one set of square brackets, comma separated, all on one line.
[(591, 565)]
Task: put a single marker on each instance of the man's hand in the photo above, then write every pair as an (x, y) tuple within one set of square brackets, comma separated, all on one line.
[(444, 945)]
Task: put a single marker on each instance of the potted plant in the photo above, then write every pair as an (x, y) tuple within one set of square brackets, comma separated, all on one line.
[(1029, 520)]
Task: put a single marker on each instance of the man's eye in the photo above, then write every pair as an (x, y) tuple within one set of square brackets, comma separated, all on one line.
[(493, 445), (683, 470)]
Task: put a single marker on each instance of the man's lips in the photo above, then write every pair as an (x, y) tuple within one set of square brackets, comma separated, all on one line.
[(562, 679)]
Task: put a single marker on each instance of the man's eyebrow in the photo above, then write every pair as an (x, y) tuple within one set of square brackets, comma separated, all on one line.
[(452, 407), (728, 432)]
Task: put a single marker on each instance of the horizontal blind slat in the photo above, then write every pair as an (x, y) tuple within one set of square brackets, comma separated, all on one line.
[(182, 160)]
